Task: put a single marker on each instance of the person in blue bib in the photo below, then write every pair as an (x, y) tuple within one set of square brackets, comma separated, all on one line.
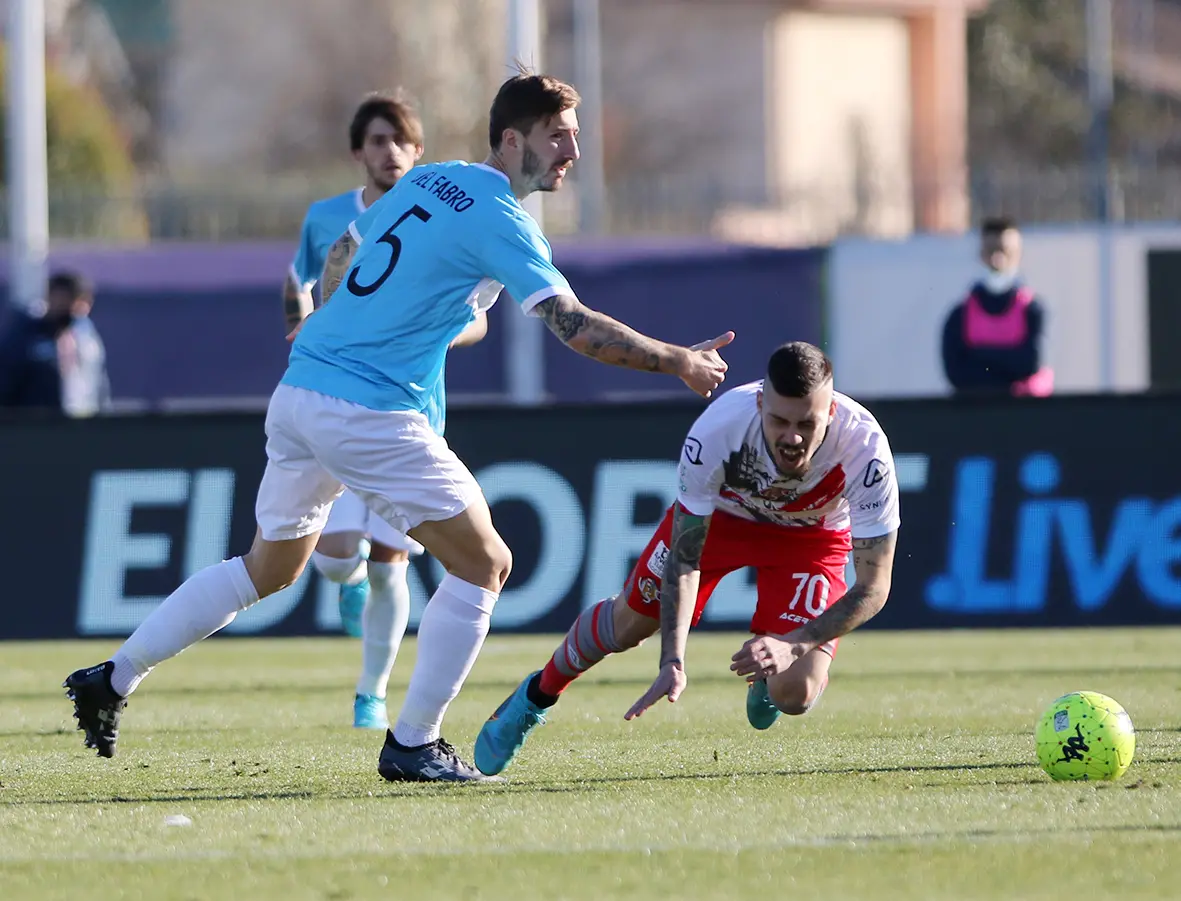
[(386, 138), (362, 407)]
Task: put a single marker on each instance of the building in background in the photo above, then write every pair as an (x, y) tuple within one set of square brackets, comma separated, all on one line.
[(771, 121), (778, 121), (784, 122)]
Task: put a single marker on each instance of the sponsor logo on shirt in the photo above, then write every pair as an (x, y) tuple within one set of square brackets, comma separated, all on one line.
[(657, 560), (875, 472)]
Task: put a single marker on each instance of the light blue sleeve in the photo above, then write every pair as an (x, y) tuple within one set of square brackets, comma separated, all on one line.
[(359, 226), (364, 222), (308, 264), (518, 256)]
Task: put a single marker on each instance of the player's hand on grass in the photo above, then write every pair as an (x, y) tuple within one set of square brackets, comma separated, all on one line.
[(670, 682), (766, 655), (703, 368)]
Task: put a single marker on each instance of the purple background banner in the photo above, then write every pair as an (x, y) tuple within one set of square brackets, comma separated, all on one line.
[(193, 321)]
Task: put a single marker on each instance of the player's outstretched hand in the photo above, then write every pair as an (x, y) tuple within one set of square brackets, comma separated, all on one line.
[(704, 369), (766, 655), (671, 682)]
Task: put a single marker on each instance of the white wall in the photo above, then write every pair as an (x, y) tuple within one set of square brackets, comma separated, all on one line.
[(888, 299)]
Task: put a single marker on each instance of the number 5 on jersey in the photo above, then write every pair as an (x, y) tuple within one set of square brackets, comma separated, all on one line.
[(359, 290)]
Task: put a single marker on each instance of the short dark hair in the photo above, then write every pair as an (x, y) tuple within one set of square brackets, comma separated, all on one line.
[(396, 109), (797, 369), (70, 282), (524, 100), (996, 225)]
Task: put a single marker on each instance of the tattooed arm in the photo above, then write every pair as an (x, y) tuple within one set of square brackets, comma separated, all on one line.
[(678, 598), (678, 588), (340, 258), (297, 302), (602, 338), (873, 562), (598, 336)]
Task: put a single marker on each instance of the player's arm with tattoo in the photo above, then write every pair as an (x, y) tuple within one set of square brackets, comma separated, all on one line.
[(678, 589), (297, 301), (873, 563), (598, 336), (340, 258), (678, 599)]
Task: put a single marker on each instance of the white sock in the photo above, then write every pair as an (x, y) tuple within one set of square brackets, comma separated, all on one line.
[(383, 623), (450, 636), (342, 571), (209, 600)]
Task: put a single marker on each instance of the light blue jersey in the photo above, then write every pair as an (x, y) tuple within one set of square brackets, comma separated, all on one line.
[(434, 251), (326, 220)]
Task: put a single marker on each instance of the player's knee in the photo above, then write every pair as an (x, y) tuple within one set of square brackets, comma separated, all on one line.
[(269, 578), (489, 567), (336, 569), (501, 560), (792, 698), (383, 553), (340, 544), (795, 708)]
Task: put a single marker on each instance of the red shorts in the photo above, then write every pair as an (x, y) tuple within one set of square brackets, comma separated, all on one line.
[(799, 570)]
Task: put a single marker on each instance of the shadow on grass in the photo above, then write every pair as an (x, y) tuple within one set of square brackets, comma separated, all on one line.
[(713, 677), (382, 789)]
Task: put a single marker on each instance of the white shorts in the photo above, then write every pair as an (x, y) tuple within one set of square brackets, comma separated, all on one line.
[(349, 514), (319, 445)]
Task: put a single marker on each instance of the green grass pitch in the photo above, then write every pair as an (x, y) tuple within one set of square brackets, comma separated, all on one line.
[(914, 778)]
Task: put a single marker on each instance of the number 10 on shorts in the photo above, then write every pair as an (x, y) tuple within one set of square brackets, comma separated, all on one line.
[(813, 589)]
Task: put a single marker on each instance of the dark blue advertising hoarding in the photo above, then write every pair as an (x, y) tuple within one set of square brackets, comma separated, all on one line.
[(1056, 512)]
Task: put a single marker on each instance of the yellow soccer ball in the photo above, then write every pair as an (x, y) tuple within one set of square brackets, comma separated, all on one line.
[(1085, 735)]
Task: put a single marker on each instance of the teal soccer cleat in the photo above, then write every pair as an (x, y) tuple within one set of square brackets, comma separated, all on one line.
[(369, 713), (506, 730), (352, 603), (760, 711)]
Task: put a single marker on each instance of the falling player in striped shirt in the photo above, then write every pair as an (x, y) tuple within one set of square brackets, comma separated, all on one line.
[(784, 475)]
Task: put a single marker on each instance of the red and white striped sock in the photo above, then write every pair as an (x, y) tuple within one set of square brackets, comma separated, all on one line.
[(590, 639)]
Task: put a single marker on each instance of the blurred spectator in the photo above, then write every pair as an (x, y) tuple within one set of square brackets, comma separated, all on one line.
[(992, 339), (53, 358)]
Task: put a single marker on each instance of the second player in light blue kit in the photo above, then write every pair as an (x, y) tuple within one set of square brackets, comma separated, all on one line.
[(362, 406), (386, 138)]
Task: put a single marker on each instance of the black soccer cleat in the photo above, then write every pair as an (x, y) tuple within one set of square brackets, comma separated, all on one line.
[(433, 762), (96, 706)]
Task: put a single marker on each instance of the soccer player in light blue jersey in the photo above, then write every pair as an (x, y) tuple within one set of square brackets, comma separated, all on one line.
[(386, 138), (361, 406)]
